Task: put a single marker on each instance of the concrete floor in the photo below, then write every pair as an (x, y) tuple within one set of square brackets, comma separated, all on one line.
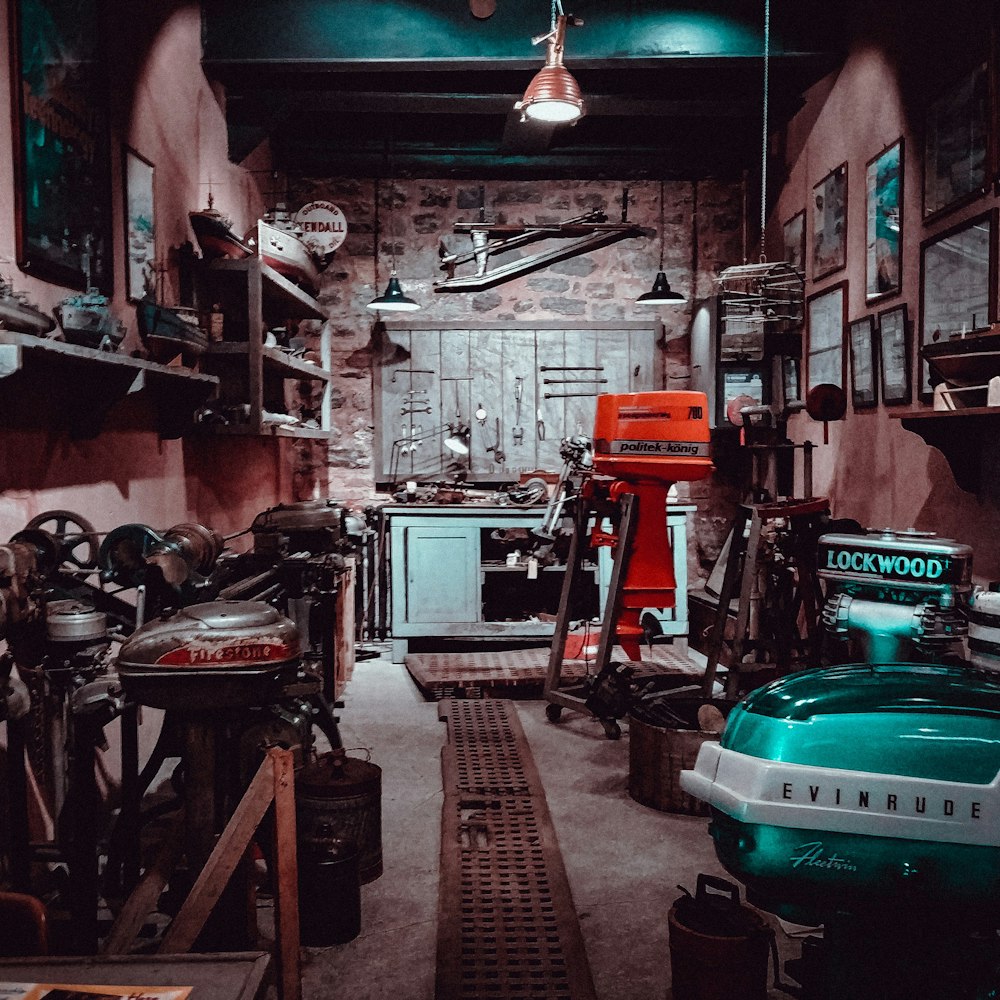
[(624, 860)]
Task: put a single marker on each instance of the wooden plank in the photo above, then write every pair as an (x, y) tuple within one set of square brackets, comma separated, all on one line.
[(580, 349), (487, 390), (550, 413), (344, 636), (286, 898), (642, 354), (519, 361), (222, 862), (143, 899), (427, 458)]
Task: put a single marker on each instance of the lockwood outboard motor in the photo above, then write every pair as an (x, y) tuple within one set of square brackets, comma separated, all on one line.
[(902, 595), (867, 798)]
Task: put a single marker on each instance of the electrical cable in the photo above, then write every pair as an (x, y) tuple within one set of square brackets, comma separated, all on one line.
[(763, 141)]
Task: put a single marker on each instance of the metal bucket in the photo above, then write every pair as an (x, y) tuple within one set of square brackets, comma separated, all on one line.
[(340, 798), (718, 947), (329, 893), (660, 747)]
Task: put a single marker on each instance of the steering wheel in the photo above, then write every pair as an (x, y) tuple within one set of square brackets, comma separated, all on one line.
[(76, 536)]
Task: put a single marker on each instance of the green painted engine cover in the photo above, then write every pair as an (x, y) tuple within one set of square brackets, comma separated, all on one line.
[(923, 721)]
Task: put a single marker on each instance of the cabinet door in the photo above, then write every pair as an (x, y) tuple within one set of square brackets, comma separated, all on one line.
[(442, 574)]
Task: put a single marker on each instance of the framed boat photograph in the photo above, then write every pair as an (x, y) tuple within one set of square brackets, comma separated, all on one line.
[(957, 274), (62, 159), (825, 321), (864, 387), (140, 225), (883, 222), (956, 139), (894, 355), (795, 241), (829, 243)]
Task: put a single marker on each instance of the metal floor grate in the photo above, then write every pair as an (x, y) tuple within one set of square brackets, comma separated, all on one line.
[(506, 923)]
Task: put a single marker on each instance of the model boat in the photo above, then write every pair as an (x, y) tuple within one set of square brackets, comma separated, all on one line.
[(86, 320), (969, 360), (215, 235), (280, 245), (20, 316), (170, 330)]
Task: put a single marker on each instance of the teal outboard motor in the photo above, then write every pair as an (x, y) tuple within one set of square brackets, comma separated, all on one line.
[(901, 595), (866, 797)]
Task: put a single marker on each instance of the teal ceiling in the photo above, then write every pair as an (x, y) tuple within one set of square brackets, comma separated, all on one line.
[(671, 89)]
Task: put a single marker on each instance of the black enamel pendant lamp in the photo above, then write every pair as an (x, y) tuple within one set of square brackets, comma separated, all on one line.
[(393, 299), (661, 294)]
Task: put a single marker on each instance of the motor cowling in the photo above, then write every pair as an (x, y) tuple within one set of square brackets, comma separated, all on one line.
[(222, 654)]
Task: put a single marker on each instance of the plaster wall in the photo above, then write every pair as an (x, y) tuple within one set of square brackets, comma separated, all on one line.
[(873, 469), (163, 107)]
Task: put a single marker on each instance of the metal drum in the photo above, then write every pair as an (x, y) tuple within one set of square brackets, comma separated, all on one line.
[(340, 797)]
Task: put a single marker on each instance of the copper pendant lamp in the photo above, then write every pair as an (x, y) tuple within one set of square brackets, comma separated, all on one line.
[(553, 96)]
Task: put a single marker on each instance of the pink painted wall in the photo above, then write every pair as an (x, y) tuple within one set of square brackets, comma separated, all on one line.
[(873, 469), (164, 108)]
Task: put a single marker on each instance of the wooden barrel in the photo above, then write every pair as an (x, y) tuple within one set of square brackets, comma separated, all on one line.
[(659, 749)]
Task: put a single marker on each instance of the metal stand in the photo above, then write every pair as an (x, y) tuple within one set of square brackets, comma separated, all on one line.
[(798, 591), (576, 697)]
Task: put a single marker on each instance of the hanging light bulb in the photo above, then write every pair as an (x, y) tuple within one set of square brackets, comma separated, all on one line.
[(661, 294), (553, 96), (393, 299)]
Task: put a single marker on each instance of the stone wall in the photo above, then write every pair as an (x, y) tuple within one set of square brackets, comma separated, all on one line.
[(702, 233)]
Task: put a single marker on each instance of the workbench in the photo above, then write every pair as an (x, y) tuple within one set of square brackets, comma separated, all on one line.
[(441, 574)]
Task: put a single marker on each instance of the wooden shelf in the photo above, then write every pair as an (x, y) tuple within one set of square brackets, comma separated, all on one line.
[(967, 439), (267, 430), (487, 567), (275, 360), (81, 385), (279, 294), (252, 298)]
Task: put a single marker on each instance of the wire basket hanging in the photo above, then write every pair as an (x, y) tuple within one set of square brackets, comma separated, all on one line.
[(769, 292)]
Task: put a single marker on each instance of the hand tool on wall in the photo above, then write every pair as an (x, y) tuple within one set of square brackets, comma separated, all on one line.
[(566, 395), (539, 424), (571, 368), (518, 431), (499, 456), (572, 381), (481, 415), (411, 371)]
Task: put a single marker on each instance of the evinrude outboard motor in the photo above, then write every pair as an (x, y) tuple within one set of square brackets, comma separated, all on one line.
[(866, 797)]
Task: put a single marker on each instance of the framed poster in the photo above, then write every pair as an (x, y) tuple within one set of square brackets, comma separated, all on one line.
[(140, 226), (864, 388), (957, 273), (829, 247), (795, 241), (826, 318), (956, 137), (62, 185), (894, 355), (883, 222)]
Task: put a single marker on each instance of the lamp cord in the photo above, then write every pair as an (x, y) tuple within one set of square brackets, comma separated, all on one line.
[(556, 7), (661, 224), (763, 139)]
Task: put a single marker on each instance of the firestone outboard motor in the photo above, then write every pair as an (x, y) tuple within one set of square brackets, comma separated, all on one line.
[(902, 595)]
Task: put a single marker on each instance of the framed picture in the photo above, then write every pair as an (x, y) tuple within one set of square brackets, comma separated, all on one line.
[(62, 177), (894, 355), (829, 247), (795, 241), (826, 318), (140, 226), (864, 388), (956, 138), (957, 273), (883, 222)]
